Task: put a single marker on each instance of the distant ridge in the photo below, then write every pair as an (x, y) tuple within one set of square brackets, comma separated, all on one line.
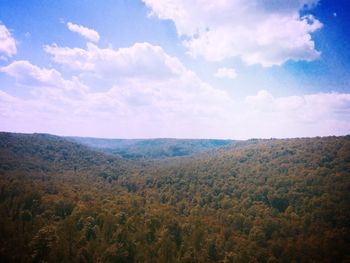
[(151, 148)]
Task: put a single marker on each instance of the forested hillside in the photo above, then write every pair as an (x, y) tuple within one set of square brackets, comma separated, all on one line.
[(151, 148), (49, 153), (253, 201)]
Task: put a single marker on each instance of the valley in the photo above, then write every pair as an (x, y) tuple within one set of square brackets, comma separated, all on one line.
[(268, 200)]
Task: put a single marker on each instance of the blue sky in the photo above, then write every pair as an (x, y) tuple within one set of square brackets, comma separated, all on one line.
[(187, 69)]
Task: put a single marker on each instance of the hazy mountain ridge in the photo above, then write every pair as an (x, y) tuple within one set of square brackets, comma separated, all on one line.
[(151, 148)]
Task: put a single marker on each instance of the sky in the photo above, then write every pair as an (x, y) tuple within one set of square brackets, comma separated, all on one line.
[(233, 69)]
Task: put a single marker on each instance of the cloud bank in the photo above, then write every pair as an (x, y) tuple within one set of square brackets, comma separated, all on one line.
[(142, 91), (258, 32)]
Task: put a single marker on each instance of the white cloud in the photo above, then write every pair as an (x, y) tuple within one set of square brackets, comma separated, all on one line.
[(146, 82), (144, 79), (27, 74), (226, 73), (320, 104), (307, 115), (6, 99), (142, 91), (256, 31), (129, 88), (7, 43), (140, 60), (121, 112), (88, 33)]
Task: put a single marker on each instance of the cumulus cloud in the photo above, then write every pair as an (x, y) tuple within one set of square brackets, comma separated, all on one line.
[(141, 91), (140, 60), (7, 43), (145, 80), (139, 86), (88, 33), (226, 73), (27, 74), (256, 31)]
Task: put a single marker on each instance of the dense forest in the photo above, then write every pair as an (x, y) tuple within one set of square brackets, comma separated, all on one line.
[(271, 200)]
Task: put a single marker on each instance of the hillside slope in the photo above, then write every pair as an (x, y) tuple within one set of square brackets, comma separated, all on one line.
[(49, 153)]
